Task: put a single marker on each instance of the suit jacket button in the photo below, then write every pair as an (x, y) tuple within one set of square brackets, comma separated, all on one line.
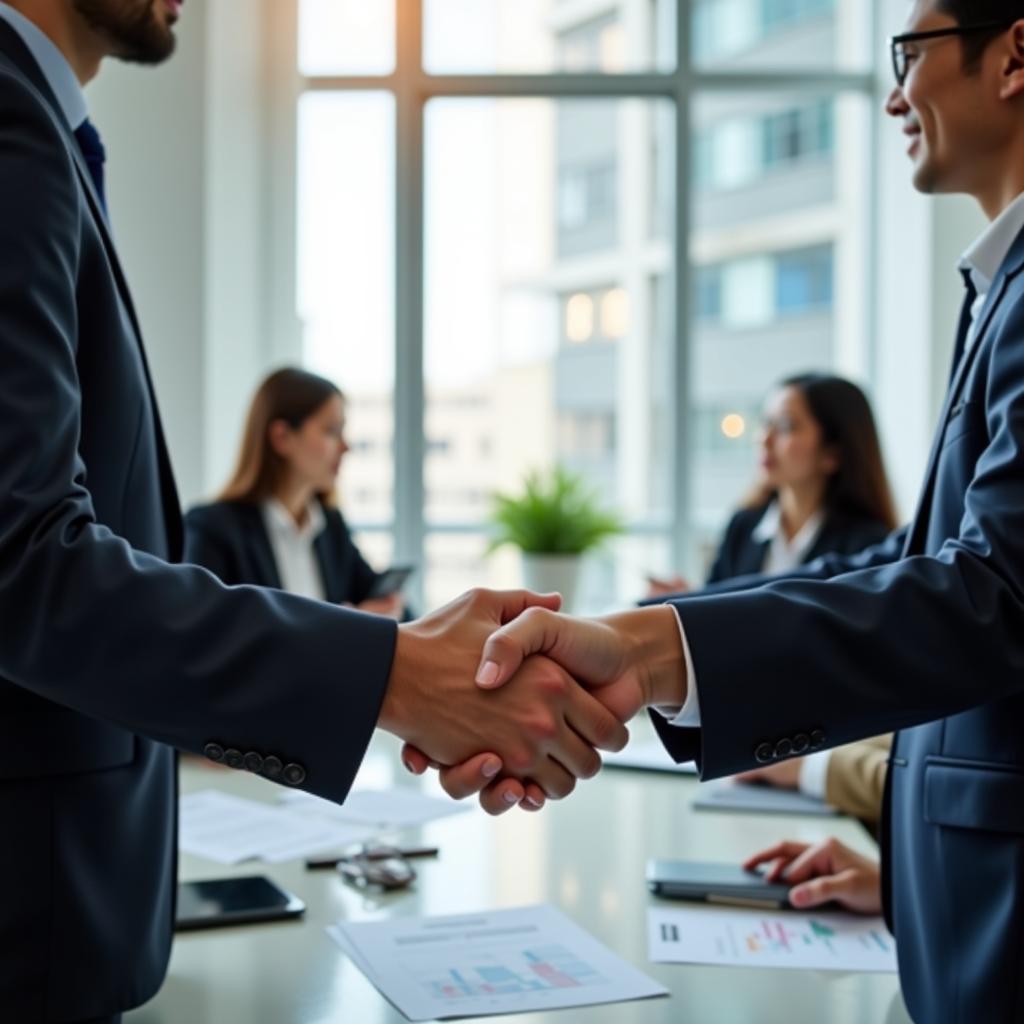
[(214, 751), (764, 754), (783, 749), (294, 774), (253, 761), (233, 758), (272, 766), (817, 739), (801, 742)]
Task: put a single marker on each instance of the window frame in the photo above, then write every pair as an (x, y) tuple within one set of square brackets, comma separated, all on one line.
[(413, 87)]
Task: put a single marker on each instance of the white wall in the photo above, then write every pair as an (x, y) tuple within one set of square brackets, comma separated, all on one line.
[(920, 239), (191, 173)]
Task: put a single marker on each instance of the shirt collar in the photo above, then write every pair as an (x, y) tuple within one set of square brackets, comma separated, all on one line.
[(984, 258), (770, 527), (53, 64), (280, 520)]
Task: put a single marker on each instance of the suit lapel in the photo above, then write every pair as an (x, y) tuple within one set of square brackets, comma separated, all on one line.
[(328, 560), (12, 45), (258, 542), (1010, 268)]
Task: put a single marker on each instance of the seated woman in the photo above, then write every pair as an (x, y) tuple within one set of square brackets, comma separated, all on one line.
[(276, 523), (822, 489)]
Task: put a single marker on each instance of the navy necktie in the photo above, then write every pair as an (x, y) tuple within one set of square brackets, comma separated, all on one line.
[(964, 326), (95, 155)]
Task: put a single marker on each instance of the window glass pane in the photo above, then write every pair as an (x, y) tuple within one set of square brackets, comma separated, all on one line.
[(781, 34), (548, 323), (494, 36), (345, 287), (780, 215), (346, 37)]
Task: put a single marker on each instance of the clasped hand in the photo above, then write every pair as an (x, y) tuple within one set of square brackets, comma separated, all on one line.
[(512, 700)]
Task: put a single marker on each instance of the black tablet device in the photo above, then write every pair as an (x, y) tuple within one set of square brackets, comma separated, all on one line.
[(715, 883), (390, 581), (228, 901)]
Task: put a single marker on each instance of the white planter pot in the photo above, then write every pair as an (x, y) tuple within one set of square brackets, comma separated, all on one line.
[(546, 573)]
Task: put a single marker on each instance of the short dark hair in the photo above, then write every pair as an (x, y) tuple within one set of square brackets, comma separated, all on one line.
[(974, 12)]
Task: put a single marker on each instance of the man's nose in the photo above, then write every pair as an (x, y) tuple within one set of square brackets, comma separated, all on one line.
[(896, 104)]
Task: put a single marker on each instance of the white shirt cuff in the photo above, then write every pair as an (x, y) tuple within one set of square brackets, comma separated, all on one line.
[(814, 773), (688, 716)]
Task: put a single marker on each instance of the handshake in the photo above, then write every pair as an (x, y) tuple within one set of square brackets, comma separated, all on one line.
[(510, 699)]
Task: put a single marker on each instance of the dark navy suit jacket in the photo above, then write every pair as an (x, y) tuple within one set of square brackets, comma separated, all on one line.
[(230, 539), (923, 633), (110, 656), (741, 554)]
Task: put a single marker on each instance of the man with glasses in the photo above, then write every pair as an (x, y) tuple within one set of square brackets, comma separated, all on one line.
[(923, 633)]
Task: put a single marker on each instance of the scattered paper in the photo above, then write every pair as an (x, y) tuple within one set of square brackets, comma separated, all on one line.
[(742, 796), (506, 961), (380, 808), (649, 755), (230, 829), (746, 938)]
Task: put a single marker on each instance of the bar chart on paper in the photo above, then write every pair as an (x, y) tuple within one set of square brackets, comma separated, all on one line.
[(512, 972), (744, 938), (504, 961)]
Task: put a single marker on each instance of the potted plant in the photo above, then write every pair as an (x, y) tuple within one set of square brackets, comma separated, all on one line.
[(553, 522)]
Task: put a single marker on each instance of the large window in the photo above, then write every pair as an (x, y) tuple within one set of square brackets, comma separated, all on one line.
[(529, 235)]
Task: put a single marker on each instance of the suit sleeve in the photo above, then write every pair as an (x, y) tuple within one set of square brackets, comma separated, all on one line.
[(887, 646), (163, 650)]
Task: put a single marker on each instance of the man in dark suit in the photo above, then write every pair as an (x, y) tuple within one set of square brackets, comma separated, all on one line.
[(109, 654), (923, 633)]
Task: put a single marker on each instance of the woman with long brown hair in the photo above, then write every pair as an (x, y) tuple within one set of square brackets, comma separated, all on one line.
[(276, 523)]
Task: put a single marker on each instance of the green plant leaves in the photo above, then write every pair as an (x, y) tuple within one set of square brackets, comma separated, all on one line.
[(557, 513)]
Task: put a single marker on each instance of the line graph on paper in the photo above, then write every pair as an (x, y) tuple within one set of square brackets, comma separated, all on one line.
[(746, 938)]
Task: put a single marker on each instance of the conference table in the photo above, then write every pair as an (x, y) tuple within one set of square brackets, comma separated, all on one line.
[(586, 855)]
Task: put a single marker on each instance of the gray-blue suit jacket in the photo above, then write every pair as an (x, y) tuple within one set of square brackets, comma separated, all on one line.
[(925, 634), (110, 656)]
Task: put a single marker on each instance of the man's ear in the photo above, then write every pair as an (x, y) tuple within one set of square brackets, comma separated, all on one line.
[(1013, 64)]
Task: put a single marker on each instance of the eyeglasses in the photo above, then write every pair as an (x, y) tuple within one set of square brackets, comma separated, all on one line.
[(897, 44)]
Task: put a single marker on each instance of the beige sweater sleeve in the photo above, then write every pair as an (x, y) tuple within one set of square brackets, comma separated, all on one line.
[(856, 777)]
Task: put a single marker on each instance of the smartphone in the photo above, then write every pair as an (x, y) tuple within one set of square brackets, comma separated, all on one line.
[(227, 901), (715, 883), (390, 581)]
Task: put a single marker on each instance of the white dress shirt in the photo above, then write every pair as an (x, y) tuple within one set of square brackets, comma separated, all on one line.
[(54, 65), (783, 554), (297, 564), (982, 261)]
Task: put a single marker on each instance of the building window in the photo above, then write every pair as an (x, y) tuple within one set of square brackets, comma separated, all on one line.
[(803, 280)]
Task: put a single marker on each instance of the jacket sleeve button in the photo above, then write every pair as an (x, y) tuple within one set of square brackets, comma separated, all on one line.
[(294, 774), (214, 751)]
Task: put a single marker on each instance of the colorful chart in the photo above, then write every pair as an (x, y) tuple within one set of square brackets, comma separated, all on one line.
[(511, 972)]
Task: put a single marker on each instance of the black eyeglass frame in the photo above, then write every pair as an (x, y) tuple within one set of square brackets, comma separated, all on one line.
[(899, 65)]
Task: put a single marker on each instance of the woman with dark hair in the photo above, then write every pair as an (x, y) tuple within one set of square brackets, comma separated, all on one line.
[(276, 523), (822, 488)]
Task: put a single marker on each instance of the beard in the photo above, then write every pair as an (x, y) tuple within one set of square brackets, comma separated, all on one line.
[(132, 26)]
